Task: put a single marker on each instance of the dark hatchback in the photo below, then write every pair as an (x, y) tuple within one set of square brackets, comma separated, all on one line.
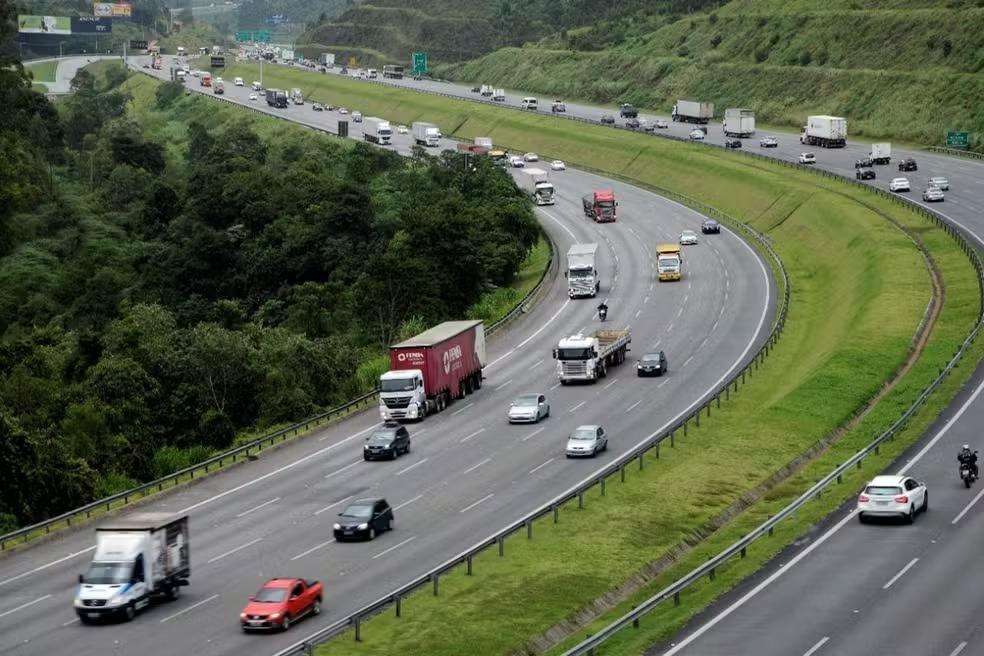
[(908, 164), (732, 143), (363, 519), (710, 226), (865, 174), (652, 364), (388, 442)]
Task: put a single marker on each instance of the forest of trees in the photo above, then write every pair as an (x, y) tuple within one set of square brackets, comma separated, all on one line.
[(157, 300)]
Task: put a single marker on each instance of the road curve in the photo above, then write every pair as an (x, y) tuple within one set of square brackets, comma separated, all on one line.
[(469, 472)]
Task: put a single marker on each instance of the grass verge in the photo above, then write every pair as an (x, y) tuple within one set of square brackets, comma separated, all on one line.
[(43, 71)]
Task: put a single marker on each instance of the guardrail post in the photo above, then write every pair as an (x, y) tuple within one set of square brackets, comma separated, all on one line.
[(672, 439), (840, 478), (502, 545), (742, 376), (684, 427), (580, 500), (357, 625), (770, 528), (657, 450), (642, 461), (676, 598), (468, 564), (529, 525), (877, 449), (697, 417), (602, 487), (727, 394), (635, 621), (435, 578), (398, 603), (718, 402), (621, 471), (859, 463), (556, 514)]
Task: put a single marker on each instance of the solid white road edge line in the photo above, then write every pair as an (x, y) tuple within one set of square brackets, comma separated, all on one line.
[(531, 337), (483, 499), (23, 606), (254, 508), (815, 648), (395, 546), (312, 549), (967, 507), (900, 574), (232, 551), (192, 607), (46, 566)]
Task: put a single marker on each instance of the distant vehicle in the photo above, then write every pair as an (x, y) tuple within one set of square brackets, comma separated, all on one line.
[(393, 71), (669, 262), (864, 163), (531, 157), (344, 71), (365, 518), (499, 95), (608, 119), (357, 117), (238, 81), (899, 184), (824, 131), (908, 164), (628, 111), (586, 441), (279, 603), (476, 89), (661, 124), (652, 364), (318, 107), (582, 271), (696, 135), (342, 110), (297, 96), (633, 123), (377, 131), (418, 78), (647, 126), (389, 441), (807, 158), (768, 142), (600, 206), (486, 90), (253, 96), (529, 103), (180, 74), (865, 174), (529, 408), (881, 153), (425, 134), (710, 226), (940, 183), (692, 111), (732, 143), (372, 73), (402, 129), (892, 496), (558, 107), (517, 162), (558, 165), (933, 195), (257, 86), (739, 123), (276, 98), (688, 238), (194, 73), (537, 182)]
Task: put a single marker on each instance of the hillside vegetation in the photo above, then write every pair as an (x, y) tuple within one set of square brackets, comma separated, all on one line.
[(908, 70)]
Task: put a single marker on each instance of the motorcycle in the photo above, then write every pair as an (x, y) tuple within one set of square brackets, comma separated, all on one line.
[(967, 474), (602, 313)]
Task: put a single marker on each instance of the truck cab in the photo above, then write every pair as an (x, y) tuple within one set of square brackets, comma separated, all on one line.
[(600, 206), (669, 262), (582, 271)]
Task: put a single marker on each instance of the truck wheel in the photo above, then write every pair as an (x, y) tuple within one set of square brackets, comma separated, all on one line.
[(130, 612), (478, 381), (173, 592), (316, 608)]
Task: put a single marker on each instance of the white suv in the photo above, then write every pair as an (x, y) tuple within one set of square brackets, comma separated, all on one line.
[(892, 496), (899, 184)]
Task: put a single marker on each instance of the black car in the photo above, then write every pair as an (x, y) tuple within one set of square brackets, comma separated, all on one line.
[(365, 518), (652, 364), (908, 164), (318, 107), (865, 174), (732, 143), (476, 89), (387, 442), (418, 78), (710, 226), (633, 124), (864, 163), (608, 119), (344, 71)]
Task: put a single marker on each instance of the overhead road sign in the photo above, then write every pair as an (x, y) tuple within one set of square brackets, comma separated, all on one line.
[(419, 65)]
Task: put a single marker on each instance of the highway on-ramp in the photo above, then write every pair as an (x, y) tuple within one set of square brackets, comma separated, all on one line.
[(469, 472)]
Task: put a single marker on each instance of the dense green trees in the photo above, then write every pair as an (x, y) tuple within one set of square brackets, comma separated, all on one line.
[(159, 295)]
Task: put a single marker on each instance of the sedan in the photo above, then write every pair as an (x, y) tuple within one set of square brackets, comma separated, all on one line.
[(402, 129), (387, 442), (933, 195), (279, 603), (732, 143), (652, 364), (892, 496), (558, 165), (517, 162), (586, 441), (899, 184), (865, 174), (768, 142), (710, 226), (647, 126), (696, 135), (608, 119), (343, 110), (253, 96), (364, 518), (688, 238), (529, 408), (940, 183), (864, 163), (633, 123), (661, 124), (318, 107), (531, 157), (558, 107), (908, 164), (807, 158)]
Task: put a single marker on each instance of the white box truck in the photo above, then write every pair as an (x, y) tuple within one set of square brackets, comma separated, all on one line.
[(582, 272), (499, 95), (377, 131), (825, 131), (739, 123), (327, 59), (484, 142), (881, 153), (425, 134), (537, 183), (486, 90), (692, 111), (297, 96), (138, 558)]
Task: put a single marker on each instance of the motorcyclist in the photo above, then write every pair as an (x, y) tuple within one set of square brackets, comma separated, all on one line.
[(602, 310), (969, 457)]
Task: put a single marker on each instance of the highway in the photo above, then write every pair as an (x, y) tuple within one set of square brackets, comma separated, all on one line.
[(469, 472)]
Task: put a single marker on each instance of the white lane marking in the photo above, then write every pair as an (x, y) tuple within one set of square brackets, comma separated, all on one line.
[(255, 508), (901, 573), (232, 551), (505, 383), (561, 224), (70, 622), (968, 507), (633, 406), (536, 364), (686, 362), (406, 469), (533, 434), (395, 546), (346, 467), (669, 329), (541, 466), (958, 649), (192, 607), (715, 325), (680, 311), (555, 386), (23, 606), (578, 406), (458, 412), (815, 648), (330, 506), (408, 502), (685, 299), (46, 566), (312, 549), (652, 286), (468, 437), (638, 312), (270, 474), (474, 467), (610, 384), (482, 500), (645, 300)]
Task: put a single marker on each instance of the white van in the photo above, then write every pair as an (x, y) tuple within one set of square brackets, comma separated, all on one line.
[(529, 103), (238, 81)]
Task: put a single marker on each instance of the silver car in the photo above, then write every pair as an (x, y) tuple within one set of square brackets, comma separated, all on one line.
[(529, 408), (586, 441), (688, 238), (940, 183)]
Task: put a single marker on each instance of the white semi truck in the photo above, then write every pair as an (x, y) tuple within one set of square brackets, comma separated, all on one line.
[(825, 131), (425, 134), (587, 357), (582, 271), (537, 183), (377, 131), (137, 558), (739, 123)]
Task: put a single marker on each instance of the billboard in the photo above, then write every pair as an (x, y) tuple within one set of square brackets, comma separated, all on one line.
[(44, 24), (91, 25), (112, 9)]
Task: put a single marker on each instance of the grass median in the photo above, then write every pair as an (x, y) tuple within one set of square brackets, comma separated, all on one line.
[(859, 289)]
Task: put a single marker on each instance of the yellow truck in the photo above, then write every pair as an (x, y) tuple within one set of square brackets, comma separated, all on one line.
[(669, 262)]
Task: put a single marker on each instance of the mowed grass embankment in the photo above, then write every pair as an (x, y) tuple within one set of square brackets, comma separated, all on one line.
[(43, 71), (859, 289)]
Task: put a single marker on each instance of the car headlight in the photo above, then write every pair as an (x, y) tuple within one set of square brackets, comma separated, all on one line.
[(274, 616), (365, 447), (242, 616), (363, 527), (337, 526)]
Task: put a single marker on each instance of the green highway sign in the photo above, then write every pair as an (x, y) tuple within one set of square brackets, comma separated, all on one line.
[(419, 66), (957, 139), (257, 36)]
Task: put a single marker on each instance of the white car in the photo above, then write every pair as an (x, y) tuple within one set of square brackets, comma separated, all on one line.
[(342, 110), (402, 129), (558, 165), (238, 82), (940, 183), (529, 408), (892, 496), (194, 73), (586, 441), (899, 184), (661, 124), (531, 157), (696, 135), (688, 238), (933, 195), (256, 86), (253, 96), (807, 158), (517, 162), (768, 142)]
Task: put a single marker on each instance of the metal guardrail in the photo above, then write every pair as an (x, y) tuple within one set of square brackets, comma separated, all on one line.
[(250, 449), (955, 152)]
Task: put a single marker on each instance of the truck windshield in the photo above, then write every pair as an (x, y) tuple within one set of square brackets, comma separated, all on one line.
[(108, 573), (668, 263), (575, 353), (586, 274), (397, 385)]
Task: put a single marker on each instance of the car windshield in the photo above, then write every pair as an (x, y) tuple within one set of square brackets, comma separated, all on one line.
[(271, 595), (584, 434), (651, 357), (526, 400), (397, 385), (358, 512), (575, 353), (382, 437), (108, 573), (883, 490), (689, 233)]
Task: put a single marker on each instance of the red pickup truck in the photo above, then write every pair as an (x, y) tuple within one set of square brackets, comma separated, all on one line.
[(281, 602)]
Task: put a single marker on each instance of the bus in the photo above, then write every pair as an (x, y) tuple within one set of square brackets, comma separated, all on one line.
[(393, 71)]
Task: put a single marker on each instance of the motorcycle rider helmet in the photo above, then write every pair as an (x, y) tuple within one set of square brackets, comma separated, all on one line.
[(966, 447)]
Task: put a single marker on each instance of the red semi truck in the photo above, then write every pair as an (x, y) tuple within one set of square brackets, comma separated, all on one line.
[(430, 370), (600, 206)]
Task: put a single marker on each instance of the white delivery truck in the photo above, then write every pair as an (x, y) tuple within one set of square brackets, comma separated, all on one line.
[(881, 153), (377, 131), (537, 183), (692, 111), (499, 95), (483, 142), (327, 59), (587, 357), (825, 131), (486, 90), (137, 558), (297, 96), (582, 271), (739, 123), (425, 134)]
